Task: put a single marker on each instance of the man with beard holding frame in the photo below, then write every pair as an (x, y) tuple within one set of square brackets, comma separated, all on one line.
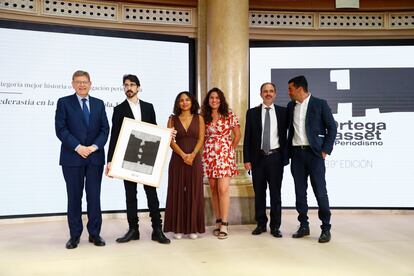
[(136, 109)]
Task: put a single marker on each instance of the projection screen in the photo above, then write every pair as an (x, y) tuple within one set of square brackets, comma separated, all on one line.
[(37, 62)]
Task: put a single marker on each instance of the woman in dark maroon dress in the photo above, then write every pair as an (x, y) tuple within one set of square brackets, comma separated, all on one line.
[(184, 211)]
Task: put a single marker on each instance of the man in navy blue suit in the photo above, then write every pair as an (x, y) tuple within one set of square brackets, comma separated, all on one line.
[(82, 127), (265, 153), (312, 132)]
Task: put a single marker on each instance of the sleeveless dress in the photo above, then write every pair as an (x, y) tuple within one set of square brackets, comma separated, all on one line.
[(184, 210), (219, 157)]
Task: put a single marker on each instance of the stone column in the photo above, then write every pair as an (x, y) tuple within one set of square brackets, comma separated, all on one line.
[(227, 52)]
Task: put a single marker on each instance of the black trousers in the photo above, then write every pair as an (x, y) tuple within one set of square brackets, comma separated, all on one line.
[(268, 170), (132, 205), (306, 164)]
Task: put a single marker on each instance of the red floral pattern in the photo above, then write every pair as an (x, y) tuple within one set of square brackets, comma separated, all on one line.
[(219, 157)]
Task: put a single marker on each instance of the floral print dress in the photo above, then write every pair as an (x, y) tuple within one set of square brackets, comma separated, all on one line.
[(219, 157)]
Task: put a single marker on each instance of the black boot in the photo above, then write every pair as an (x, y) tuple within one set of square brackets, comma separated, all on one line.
[(132, 234), (302, 231), (158, 235)]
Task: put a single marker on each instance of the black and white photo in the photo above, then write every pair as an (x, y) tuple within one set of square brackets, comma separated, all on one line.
[(140, 152)]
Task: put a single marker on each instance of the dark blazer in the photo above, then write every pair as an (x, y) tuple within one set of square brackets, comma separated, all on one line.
[(124, 110), (71, 129), (253, 134), (320, 126)]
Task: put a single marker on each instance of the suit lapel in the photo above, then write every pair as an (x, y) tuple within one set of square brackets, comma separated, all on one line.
[(291, 113), (259, 115), (278, 117), (144, 112), (92, 109), (310, 103), (308, 115), (78, 109), (127, 110)]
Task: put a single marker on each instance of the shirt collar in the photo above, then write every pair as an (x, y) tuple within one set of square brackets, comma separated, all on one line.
[(80, 98), (305, 101), (131, 102), (264, 106)]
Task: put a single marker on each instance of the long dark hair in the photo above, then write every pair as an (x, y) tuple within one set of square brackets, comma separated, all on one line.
[(206, 108), (194, 103)]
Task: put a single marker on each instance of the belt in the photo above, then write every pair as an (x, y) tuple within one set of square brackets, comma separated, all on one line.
[(301, 147), (272, 151)]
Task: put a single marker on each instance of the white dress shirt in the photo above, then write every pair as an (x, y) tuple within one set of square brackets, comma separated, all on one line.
[(274, 136), (81, 102), (136, 109), (299, 119)]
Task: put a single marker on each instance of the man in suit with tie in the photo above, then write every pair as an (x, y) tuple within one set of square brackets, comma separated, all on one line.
[(136, 109), (265, 154), (82, 127), (312, 132)]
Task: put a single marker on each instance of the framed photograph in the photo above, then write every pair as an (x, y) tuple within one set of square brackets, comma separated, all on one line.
[(140, 152)]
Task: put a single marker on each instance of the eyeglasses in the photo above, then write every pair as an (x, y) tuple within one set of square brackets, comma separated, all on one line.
[(81, 82)]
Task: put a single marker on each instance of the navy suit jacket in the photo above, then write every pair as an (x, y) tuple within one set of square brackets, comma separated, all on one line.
[(72, 130), (124, 110), (253, 134), (320, 126)]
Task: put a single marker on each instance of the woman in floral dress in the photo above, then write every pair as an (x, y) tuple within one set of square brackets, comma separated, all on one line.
[(219, 157)]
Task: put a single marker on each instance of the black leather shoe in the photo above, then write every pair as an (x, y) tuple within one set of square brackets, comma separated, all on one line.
[(302, 231), (97, 240), (259, 229), (325, 237), (132, 234), (158, 235), (276, 232), (72, 243)]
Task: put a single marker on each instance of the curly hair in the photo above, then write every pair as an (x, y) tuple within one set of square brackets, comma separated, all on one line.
[(206, 108), (194, 103)]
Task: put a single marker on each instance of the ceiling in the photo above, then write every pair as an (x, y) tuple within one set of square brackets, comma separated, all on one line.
[(308, 5)]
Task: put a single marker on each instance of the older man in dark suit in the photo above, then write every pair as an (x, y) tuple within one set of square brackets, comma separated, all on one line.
[(82, 127), (265, 153), (312, 132), (136, 109)]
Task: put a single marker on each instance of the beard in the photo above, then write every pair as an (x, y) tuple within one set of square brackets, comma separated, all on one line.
[(130, 94)]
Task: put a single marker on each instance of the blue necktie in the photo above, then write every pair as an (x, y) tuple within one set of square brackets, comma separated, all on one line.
[(85, 111)]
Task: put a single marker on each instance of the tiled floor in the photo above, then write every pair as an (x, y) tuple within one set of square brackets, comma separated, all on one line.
[(363, 243)]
